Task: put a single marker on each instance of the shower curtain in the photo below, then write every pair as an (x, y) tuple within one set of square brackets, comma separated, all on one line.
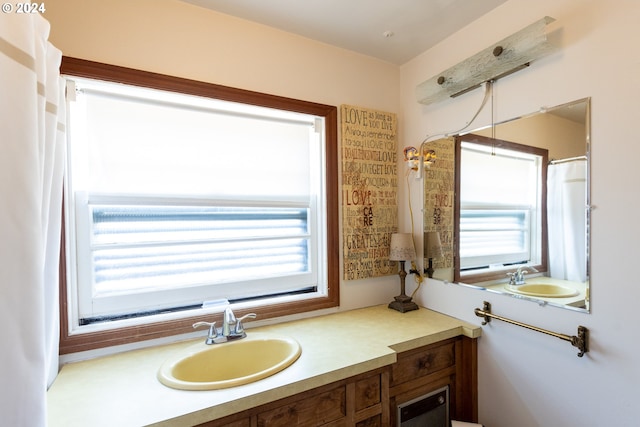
[(566, 216), (31, 169)]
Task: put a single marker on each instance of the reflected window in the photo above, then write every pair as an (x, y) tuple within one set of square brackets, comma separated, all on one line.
[(502, 194)]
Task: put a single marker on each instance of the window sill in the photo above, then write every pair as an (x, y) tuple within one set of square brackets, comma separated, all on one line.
[(81, 342)]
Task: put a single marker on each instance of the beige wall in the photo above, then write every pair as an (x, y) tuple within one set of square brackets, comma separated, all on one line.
[(563, 138), (179, 39)]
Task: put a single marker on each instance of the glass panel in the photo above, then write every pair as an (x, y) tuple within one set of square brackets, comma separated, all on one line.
[(483, 177), (182, 144), (138, 248), (494, 238)]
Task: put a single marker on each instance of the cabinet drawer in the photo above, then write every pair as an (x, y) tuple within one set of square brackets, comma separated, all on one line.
[(368, 392), (315, 410), (424, 361)]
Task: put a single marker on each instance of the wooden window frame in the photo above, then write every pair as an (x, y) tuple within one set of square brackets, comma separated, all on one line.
[(93, 340), (498, 143)]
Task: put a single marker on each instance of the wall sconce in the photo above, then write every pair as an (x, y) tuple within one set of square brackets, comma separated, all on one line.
[(505, 57), (412, 157), (402, 250), (432, 250)]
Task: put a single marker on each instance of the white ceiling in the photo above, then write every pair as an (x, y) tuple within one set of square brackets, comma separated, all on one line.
[(361, 25)]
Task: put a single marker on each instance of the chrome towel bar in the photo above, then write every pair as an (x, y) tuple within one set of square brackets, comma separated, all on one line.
[(580, 341)]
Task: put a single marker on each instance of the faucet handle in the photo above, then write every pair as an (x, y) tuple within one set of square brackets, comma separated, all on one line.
[(240, 326), (213, 332)]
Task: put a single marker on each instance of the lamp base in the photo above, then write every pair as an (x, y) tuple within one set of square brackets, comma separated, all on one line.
[(430, 270), (403, 304)]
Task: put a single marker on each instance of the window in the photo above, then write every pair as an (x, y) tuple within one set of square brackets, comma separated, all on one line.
[(502, 199), (181, 195)]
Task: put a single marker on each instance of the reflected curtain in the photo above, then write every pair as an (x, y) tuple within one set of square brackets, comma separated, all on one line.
[(31, 169), (566, 218)]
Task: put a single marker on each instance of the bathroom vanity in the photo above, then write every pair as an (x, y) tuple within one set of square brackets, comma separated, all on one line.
[(372, 398), (355, 369)]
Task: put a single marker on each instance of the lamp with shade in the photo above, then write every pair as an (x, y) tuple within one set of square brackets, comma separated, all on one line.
[(402, 249)]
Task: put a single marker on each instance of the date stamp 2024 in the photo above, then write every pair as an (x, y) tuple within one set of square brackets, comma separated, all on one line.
[(23, 8)]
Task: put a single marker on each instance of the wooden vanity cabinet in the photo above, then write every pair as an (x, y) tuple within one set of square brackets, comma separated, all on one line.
[(359, 401), (370, 399), (452, 363)]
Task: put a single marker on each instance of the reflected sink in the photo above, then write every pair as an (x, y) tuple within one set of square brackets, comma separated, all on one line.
[(546, 290), (216, 366)]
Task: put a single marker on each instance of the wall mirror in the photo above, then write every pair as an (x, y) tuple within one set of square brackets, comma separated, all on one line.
[(508, 207)]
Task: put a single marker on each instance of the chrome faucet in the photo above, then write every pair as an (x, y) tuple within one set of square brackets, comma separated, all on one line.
[(517, 278), (232, 328)]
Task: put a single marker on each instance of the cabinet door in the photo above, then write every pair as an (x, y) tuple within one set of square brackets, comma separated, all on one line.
[(321, 409), (368, 392)]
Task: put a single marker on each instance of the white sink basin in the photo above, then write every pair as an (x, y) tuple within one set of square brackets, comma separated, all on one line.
[(546, 290), (216, 366)]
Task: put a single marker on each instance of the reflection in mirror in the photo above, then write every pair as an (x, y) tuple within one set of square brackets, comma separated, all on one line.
[(502, 200), (510, 205)]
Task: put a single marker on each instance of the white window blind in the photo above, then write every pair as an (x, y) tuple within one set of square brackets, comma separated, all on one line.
[(494, 236)]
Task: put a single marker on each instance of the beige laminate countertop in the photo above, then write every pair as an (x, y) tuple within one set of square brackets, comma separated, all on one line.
[(122, 390)]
